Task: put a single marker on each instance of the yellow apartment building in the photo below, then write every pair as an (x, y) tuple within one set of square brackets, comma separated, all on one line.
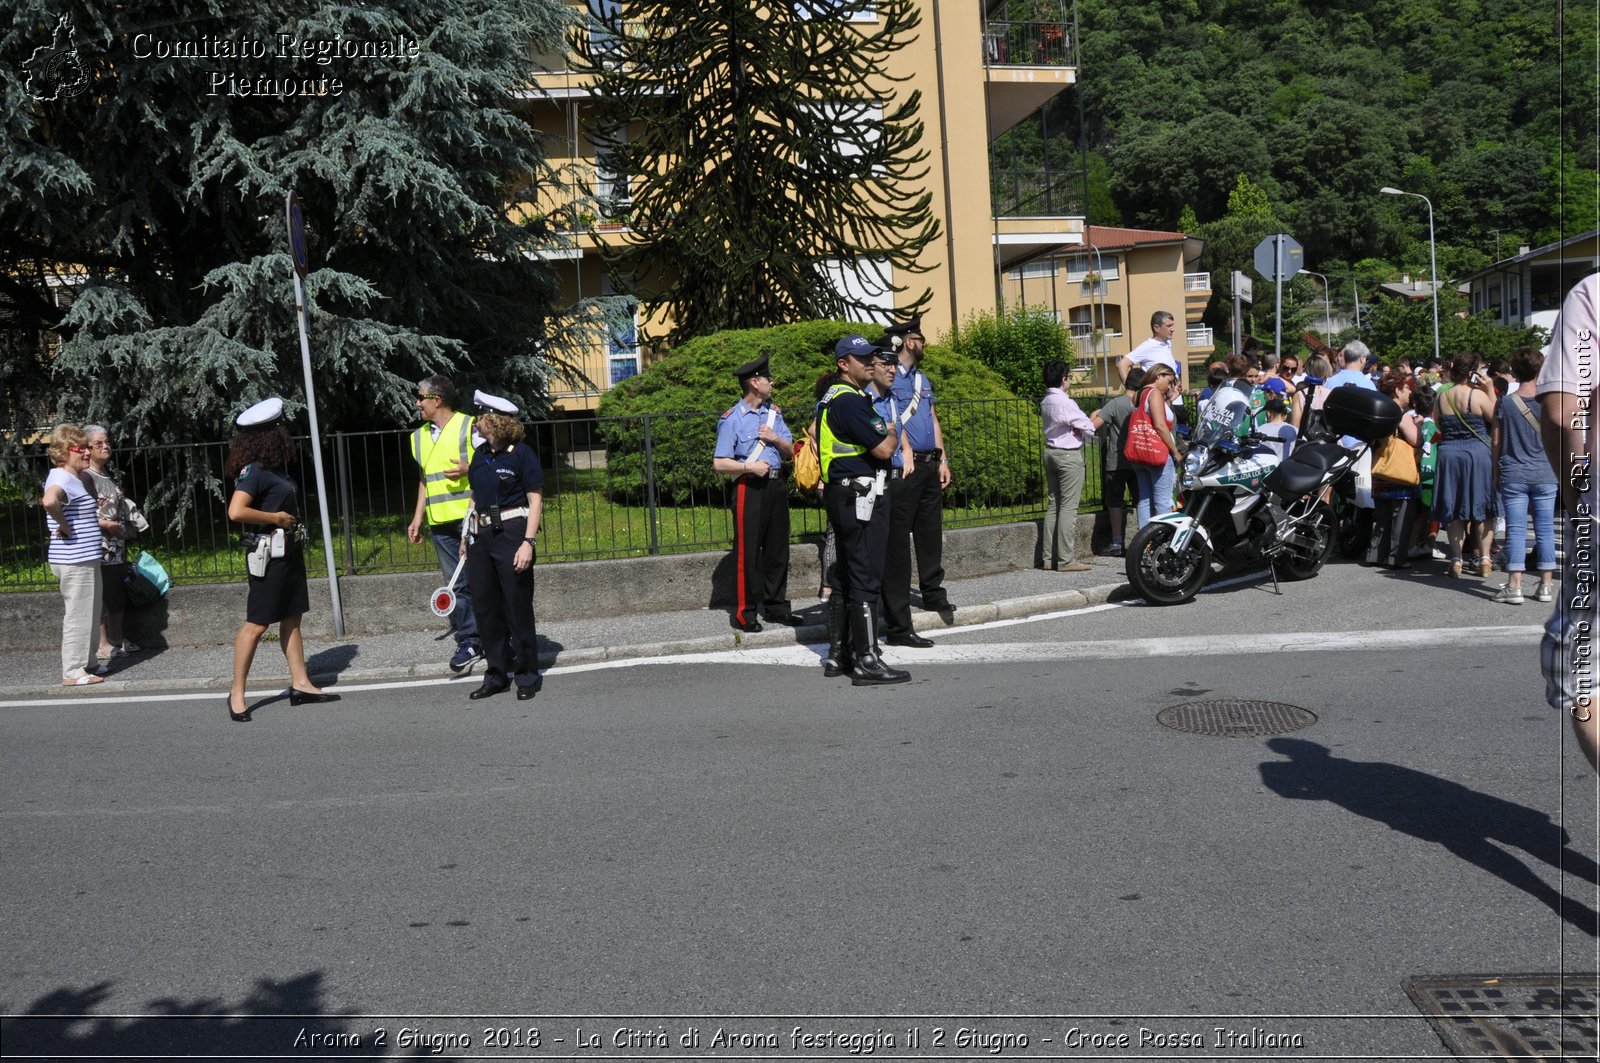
[(1106, 289), (982, 67)]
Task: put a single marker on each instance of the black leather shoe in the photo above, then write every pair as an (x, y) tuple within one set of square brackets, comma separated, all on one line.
[(236, 717), (489, 689), (910, 638), (300, 697), (786, 619), (750, 628), (526, 693)]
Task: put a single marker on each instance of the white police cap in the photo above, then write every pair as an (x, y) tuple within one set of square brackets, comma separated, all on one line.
[(488, 403), (263, 413)]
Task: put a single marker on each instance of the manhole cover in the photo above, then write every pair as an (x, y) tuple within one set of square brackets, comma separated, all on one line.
[(1523, 1016), (1236, 719)]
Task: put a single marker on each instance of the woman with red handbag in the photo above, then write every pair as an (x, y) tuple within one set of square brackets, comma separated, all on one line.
[(1142, 452)]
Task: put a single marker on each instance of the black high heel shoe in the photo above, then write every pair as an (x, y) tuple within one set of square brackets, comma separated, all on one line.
[(236, 717), (300, 697)]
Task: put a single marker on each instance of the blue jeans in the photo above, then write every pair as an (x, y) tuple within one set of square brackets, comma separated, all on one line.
[(1155, 490), (1515, 501), (463, 623)]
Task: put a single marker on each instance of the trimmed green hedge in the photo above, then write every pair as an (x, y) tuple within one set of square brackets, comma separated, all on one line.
[(994, 445)]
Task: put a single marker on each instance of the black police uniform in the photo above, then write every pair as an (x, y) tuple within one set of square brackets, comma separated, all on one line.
[(282, 592), (857, 580), (503, 597)]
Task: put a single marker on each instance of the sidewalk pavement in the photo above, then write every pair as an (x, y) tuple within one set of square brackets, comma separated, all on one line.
[(424, 654)]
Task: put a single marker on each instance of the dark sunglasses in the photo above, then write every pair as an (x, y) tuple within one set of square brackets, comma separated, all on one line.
[(429, 395)]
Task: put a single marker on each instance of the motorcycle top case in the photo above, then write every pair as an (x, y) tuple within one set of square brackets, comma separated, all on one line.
[(1367, 415)]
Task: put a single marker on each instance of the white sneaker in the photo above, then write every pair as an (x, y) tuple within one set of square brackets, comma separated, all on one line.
[(1509, 595), (1545, 593)]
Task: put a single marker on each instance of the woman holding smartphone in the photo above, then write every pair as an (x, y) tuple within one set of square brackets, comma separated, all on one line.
[(264, 502), (1464, 478)]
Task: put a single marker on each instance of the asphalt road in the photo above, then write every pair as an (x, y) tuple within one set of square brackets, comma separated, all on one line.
[(1013, 833)]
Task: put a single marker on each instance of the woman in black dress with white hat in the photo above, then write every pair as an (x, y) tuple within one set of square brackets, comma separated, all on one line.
[(507, 484), (264, 502)]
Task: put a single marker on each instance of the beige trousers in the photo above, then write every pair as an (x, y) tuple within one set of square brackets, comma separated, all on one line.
[(80, 624)]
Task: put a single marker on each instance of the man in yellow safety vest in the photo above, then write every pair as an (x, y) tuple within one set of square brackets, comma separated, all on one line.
[(442, 448)]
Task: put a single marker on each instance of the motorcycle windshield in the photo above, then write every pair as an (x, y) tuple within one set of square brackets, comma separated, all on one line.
[(1227, 416)]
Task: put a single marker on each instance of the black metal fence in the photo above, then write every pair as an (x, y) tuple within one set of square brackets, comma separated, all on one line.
[(614, 487)]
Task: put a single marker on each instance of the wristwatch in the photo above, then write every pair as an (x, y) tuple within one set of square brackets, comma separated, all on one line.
[(531, 540)]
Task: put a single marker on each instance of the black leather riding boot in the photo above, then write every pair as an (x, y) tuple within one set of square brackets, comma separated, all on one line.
[(868, 668)]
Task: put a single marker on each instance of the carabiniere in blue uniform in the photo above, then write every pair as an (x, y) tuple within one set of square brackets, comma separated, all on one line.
[(760, 499)]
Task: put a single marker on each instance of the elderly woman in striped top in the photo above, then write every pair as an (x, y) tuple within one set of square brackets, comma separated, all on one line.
[(75, 533)]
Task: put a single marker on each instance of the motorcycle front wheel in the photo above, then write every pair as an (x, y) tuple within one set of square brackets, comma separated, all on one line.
[(1308, 546), (1161, 575)]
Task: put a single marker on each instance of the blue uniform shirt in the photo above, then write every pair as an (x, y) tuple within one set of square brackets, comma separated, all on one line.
[(504, 478), (919, 427), (737, 434), (889, 408)]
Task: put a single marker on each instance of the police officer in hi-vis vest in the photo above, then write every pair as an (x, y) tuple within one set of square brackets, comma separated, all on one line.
[(442, 448), (855, 445), (753, 442)]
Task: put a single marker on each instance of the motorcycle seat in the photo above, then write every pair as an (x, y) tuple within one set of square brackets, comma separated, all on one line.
[(1300, 472)]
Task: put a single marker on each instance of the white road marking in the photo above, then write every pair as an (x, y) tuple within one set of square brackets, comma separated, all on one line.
[(808, 656)]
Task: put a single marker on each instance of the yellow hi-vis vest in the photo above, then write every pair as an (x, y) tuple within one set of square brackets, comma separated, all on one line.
[(830, 446), (448, 499)]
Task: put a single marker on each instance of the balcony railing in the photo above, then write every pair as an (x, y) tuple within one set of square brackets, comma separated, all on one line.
[(1197, 282), (1017, 192), (1200, 336), (1089, 340), (1026, 44)]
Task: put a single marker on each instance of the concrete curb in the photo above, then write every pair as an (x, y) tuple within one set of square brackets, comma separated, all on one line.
[(965, 616)]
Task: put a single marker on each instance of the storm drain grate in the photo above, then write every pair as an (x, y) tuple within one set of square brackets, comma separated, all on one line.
[(1236, 719), (1528, 1016)]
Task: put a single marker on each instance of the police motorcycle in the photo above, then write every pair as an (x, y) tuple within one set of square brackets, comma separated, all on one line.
[(1242, 505)]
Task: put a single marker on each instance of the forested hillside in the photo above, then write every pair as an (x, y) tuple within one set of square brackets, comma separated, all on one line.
[(1318, 106)]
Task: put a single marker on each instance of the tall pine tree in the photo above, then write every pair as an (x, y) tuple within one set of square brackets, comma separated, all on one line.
[(156, 191), (766, 149)]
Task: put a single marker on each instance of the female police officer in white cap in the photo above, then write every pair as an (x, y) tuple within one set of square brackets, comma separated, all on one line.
[(507, 484), (264, 502)]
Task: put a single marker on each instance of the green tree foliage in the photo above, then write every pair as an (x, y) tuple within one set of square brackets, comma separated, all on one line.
[(993, 451), (1402, 329), (765, 141), (1015, 344), (158, 193), (1321, 105)]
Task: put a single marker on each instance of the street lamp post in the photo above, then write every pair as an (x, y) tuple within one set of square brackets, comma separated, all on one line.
[(1327, 303), (1433, 262)]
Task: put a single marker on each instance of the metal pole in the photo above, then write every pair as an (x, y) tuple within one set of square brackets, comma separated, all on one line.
[(1355, 293), (650, 488), (1238, 308), (1277, 287), (316, 455), (1433, 267), (1433, 262), (341, 457), (1105, 355), (1327, 302)]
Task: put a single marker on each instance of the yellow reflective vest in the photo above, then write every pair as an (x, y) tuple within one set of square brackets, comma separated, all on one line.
[(830, 446), (448, 498)]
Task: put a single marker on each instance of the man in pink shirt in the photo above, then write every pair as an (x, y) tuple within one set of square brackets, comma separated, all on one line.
[(1566, 387), (1066, 429)]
